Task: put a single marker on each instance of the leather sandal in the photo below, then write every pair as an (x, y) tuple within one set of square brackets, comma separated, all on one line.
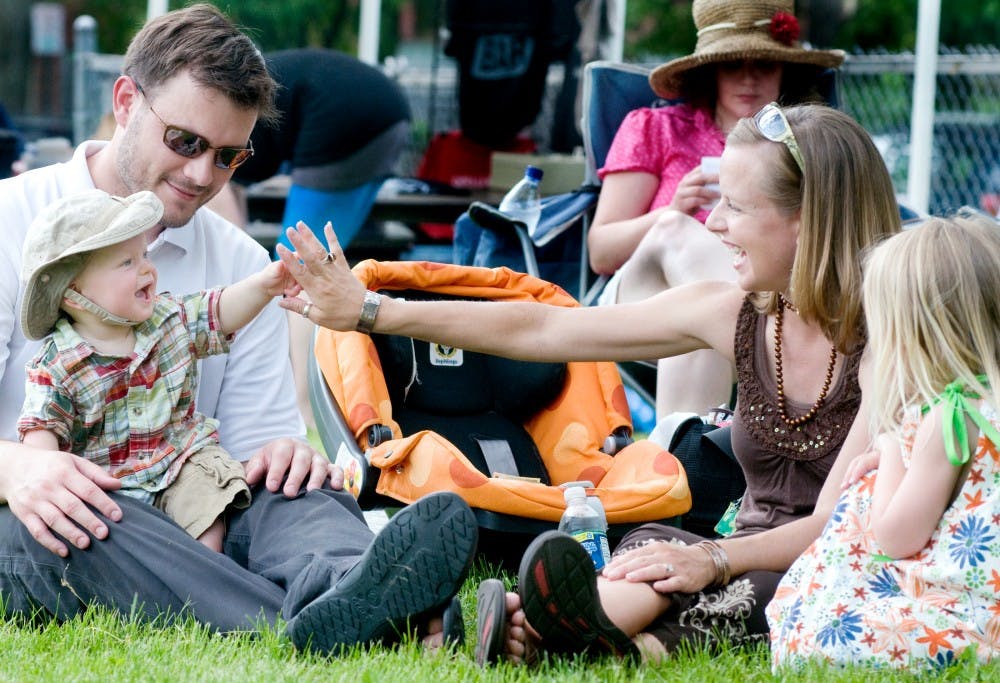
[(491, 621), (453, 624)]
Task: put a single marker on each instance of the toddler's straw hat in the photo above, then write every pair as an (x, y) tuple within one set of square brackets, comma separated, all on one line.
[(61, 236)]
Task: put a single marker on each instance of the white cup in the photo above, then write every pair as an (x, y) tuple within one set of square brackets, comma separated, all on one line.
[(710, 167)]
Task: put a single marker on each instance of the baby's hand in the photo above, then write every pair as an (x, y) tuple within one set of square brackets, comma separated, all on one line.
[(277, 281)]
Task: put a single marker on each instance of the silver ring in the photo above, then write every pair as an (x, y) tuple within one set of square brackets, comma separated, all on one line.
[(329, 258), (667, 568), (306, 309)]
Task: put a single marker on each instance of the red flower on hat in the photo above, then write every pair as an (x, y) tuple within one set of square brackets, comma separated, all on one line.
[(784, 28)]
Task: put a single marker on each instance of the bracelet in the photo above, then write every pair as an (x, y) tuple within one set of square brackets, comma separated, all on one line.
[(719, 558), (369, 309)]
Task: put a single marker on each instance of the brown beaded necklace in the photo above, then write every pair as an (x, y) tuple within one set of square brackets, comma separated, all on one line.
[(811, 413)]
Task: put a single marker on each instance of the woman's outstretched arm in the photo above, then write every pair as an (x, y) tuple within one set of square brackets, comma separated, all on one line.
[(683, 319)]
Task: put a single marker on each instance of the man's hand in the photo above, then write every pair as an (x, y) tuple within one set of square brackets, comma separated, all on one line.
[(294, 462), (49, 491)]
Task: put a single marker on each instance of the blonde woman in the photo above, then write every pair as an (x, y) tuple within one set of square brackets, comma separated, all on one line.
[(905, 573), (804, 192)]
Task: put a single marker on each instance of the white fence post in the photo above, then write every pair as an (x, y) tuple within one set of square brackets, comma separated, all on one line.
[(368, 31), (918, 180)]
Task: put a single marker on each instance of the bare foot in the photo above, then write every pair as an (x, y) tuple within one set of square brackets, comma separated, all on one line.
[(446, 628), (650, 648), (434, 637), (522, 641)]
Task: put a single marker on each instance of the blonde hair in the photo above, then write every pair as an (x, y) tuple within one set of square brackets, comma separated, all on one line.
[(846, 203), (932, 302)]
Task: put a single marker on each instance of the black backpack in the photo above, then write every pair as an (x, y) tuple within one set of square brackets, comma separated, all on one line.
[(714, 476)]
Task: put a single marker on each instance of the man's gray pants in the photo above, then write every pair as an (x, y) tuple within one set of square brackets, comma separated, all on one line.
[(278, 555)]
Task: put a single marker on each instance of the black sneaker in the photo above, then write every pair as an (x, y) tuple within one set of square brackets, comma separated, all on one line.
[(415, 564), (558, 588)]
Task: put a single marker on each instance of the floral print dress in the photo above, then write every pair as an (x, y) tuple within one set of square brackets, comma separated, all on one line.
[(845, 602)]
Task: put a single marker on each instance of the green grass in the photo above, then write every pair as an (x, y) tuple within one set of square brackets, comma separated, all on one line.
[(100, 646)]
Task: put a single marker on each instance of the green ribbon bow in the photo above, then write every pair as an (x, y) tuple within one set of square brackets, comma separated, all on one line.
[(955, 406)]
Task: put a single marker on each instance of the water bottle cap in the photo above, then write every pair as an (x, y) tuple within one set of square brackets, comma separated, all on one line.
[(534, 173), (574, 492), (585, 483)]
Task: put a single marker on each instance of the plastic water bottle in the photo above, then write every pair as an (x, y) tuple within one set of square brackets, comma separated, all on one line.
[(595, 502), (524, 201), (583, 523)]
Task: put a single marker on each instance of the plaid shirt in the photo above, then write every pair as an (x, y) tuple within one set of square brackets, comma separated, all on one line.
[(133, 415)]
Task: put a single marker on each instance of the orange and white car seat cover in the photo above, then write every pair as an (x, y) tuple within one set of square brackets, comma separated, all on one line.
[(642, 482)]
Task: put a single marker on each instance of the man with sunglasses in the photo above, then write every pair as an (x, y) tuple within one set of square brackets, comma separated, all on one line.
[(192, 88)]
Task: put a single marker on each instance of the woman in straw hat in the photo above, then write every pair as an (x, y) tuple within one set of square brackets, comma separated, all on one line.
[(656, 193)]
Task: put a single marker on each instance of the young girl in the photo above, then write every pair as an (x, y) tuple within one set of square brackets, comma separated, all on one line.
[(906, 573)]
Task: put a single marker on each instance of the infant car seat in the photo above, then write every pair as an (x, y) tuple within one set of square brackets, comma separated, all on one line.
[(405, 418)]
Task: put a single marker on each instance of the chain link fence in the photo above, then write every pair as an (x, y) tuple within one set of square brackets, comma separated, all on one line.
[(876, 88)]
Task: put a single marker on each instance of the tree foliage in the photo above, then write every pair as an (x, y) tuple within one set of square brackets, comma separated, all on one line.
[(297, 23), (117, 20), (274, 25), (654, 27), (658, 28)]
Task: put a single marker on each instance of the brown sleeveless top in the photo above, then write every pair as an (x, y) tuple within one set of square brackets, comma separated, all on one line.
[(785, 467)]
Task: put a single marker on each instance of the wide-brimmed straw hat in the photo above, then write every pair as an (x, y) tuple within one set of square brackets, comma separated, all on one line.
[(61, 236), (734, 30)]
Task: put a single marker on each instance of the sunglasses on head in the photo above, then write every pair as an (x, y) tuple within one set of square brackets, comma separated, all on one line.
[(191, 145), (774, 126)]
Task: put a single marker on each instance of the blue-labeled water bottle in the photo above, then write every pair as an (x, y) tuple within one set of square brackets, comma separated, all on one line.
[(595, 502), (523, 202), (584, 524)]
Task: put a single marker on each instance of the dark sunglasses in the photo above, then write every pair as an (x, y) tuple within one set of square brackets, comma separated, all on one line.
[(190, 145)]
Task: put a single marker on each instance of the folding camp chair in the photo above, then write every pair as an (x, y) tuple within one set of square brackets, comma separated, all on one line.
[(557, 249), (405, 418)]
